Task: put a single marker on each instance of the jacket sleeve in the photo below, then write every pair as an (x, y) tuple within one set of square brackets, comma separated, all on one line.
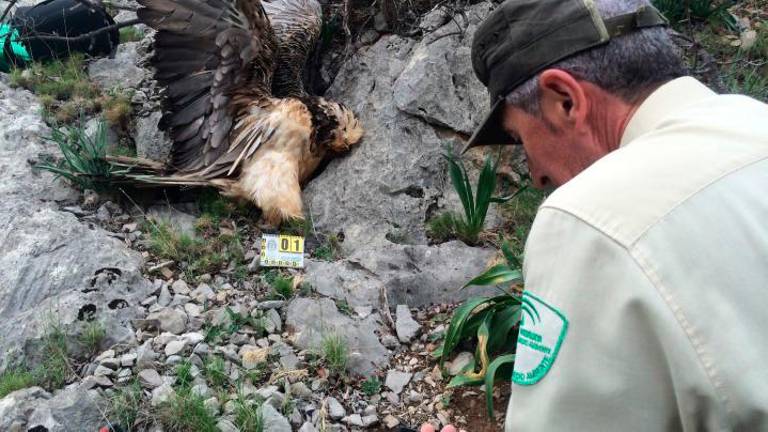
[(624, 363)]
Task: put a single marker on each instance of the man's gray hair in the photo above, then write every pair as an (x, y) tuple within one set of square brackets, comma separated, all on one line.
[(627, 67)]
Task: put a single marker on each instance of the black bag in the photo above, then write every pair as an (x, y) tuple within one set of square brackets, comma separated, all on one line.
[(68, 18)]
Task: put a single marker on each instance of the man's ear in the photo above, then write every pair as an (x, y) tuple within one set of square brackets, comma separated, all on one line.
[(563, 99)]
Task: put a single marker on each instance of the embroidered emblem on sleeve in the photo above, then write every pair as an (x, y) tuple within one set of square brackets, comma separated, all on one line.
[(542, 331)]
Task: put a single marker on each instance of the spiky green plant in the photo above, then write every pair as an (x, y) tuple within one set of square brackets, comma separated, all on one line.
[(83, 163), (488, 323), (474, 202)]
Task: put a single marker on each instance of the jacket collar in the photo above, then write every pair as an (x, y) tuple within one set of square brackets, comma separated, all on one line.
[(667, 100)]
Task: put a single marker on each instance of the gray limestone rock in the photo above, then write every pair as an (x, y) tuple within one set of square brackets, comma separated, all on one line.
[(405, 325), (312, 319), (151, 142), (335, 409), (273, 420), (416, 275), (52, 263), (119, 72), (74, 408), (150, 378), (171, 320), (397, 380)]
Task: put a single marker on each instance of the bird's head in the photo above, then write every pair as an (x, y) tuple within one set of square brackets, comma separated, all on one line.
[(345, 129)]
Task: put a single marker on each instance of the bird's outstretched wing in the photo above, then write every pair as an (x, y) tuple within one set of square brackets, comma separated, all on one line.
[(297, 25), (215, 57)]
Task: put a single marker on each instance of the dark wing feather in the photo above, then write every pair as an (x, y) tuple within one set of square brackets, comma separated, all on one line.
[(297, 25), (206, 52)]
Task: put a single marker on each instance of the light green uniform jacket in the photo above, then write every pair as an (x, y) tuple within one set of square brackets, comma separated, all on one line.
[(648, 278)]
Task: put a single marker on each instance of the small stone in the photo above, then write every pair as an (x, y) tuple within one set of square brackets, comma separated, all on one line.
[(370, 420), (193, 310), (335, 409), (271, 304), (307, 427), (171, 320), (397, 380), (105, 355), (175, 347), (369, 410), (124, 375), (149, 378), (103, 371), (300, 390), (212, 405), (162, 394), (127, 360), (95, 381), (202, 349), (415, 397), (180, 287), (193, 338), (273, 420), (111, 363), (149, 301), (201, 390), (390, 341), (225, 425), (164, 299), (289, 361), (405, 325), (295, 418), (173, 360), (203, 292), (145, 356), (462, 360), (274, 318), (353, 420), (319, 384), (391, 421)]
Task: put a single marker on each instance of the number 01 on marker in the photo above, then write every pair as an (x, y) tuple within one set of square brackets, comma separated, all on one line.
[(292, 244)]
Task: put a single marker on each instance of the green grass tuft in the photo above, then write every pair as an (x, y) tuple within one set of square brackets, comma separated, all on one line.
[(216, 372), (186, 412), (442, 227), (335, 353), (248, 416), (15, 379), (92, 336), (282, 287), (130, 34), (126, 406)]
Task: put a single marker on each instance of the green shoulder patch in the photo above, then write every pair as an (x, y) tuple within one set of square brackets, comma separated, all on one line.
[(542, 330)]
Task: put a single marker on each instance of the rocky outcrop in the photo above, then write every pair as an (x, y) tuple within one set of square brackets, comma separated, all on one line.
[(34, 409), (415, 99), (54, 269)]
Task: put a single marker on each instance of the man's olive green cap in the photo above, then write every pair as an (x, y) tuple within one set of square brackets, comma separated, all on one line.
[(522, 37)]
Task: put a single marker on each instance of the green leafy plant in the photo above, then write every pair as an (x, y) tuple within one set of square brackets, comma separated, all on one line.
[(238, 321), (489, 324), (474, 202), (371, 386), (83, 163), (282, 287)]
